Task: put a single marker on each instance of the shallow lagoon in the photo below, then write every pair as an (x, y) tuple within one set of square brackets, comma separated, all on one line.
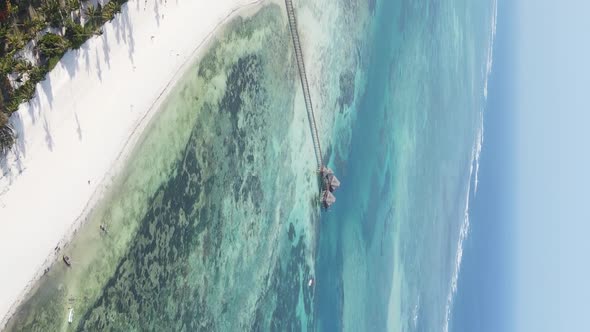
[(208, 227)]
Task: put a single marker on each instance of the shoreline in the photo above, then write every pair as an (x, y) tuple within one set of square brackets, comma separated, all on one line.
[(102, 178)]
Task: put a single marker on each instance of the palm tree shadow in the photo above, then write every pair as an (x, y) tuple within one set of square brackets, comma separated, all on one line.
[(79, 128), (34, 107), (86, 53), (17, 124), (105, 48), (128, 31), (157, 13), (70, 61), (47, 89), (18, 151), (48, 137), (98, 68)]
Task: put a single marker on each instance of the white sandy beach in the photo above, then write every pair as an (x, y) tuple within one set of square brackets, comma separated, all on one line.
[(84, 119)]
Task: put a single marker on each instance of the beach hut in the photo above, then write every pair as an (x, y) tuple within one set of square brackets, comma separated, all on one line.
[(330, 180), (327, 198), (325, 171), (333, 182)]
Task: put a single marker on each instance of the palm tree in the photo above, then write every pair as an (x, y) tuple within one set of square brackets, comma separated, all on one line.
[(72, 5), (93, 16), (6, 65), (3, 119), (14, 40), (110, 9), (53, 13), (52, 45), (76, 33), (6, 133)]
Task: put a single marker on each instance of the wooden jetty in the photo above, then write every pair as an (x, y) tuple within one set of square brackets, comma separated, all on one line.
[(328, 179)]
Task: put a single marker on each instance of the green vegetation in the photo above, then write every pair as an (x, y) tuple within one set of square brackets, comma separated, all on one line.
[(51, 45), (110, 9), (54, 13), (6, 133), (76, 34), (70, 23), (93, 16)]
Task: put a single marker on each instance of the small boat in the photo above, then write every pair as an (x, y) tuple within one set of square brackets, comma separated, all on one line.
[(310, 283), (67, 260), (71, 316)]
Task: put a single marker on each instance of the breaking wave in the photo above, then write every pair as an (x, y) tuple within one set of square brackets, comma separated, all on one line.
[(463, 232), (490, 57), (478, 145), (464, 229), (473, 177)]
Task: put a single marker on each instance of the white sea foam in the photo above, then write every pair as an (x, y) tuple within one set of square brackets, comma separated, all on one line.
[(416, 313), (464, 229), (473, 177), (478, 146), (463, 232), (490, 58), (488, 71)]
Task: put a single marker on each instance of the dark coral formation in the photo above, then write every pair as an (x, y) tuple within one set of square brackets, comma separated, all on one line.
[(196, 261), (346, 89)]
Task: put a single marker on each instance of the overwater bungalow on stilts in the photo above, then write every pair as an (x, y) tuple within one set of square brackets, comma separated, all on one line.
[(330, 183)]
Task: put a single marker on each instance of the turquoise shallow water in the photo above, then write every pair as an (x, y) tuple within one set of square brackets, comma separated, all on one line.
[(209, 226), (215, 222)]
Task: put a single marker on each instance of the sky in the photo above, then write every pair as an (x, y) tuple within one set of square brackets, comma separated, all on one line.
[(552, 86), (527, 260)]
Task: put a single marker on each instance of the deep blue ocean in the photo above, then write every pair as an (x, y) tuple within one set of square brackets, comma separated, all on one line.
[(390, 250)]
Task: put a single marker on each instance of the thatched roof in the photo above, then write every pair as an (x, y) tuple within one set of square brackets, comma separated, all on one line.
[(326, 171), (328, 198), (334, 183)]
